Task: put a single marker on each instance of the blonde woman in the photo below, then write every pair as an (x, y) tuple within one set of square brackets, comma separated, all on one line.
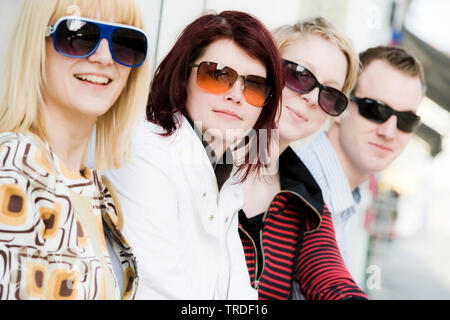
[(285, 227), (59, 224)]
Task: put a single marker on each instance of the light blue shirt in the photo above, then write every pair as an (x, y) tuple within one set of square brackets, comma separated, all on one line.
[(321, 160)]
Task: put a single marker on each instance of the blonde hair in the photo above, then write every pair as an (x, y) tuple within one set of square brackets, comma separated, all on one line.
[(24, 81), (288, 34)]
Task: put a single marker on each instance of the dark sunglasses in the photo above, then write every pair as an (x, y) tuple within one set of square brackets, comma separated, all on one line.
[(218, 79), (301, 80), (380, 113), (78, 37)]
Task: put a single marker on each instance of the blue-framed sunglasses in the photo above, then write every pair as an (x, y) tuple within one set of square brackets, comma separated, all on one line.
[(79, 37)]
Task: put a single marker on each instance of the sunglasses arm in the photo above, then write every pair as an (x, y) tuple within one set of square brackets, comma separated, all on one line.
[(49, 30)]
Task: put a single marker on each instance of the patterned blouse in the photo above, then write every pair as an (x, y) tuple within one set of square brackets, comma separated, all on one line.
[(53, 225)]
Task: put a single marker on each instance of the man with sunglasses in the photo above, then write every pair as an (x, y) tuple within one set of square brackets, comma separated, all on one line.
[(372, 132)]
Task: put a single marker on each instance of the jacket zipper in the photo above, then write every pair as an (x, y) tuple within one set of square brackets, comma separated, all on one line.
[(263, 261), (256, 254), (257, 279)]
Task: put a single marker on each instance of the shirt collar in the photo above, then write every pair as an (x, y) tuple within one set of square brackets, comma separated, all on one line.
[(82, 182), (341, 195)]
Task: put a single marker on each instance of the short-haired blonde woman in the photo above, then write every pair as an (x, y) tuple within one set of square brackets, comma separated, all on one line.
[(73, 64), (285, 227)]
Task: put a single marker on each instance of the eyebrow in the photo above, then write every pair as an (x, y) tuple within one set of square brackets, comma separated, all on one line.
[(311, 68), (330, 82)]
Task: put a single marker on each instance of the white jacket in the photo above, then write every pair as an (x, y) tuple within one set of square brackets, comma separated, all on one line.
[(183, 231)]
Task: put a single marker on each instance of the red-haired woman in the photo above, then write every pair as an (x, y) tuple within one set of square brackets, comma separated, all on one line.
[(221, 80)]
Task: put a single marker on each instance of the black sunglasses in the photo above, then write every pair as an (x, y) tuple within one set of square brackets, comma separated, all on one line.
[(379, 112), (301, 80)]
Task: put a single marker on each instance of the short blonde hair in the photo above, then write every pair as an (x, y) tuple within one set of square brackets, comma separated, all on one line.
[(288, 34), (24, 81)]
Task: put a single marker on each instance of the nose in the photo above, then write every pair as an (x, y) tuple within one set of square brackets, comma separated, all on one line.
[(103, 54), (389, 128), (312, 97), (236, 92)]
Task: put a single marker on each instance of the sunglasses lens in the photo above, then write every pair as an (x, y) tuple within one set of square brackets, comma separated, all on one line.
[(76, 38), (408, 122), (373, 111), (129, 46), (303, 81), (332, 101), (217, 79), (298, 78), (256, 91), (214, 79)]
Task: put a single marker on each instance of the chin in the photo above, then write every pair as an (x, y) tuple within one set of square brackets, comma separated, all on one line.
[(228, 133), (93, 111), (378, 166), (96, 106), (291, 135)]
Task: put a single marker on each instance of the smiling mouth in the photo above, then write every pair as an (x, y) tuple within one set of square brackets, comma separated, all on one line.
[(94, 79), (228, 113), (298, 115), (378, 146)]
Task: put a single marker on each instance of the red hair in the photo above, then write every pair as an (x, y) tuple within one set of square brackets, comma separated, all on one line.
[(168, 92)]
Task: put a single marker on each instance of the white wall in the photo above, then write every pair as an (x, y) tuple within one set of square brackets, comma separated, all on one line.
[(151, 11), (271, 13), (9, 10), (175, 16), (365, 21)]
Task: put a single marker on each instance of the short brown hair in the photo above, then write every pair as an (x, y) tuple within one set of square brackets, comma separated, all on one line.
[(398, 58)]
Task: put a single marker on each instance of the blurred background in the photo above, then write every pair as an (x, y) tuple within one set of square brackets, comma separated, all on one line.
[(401, 234)]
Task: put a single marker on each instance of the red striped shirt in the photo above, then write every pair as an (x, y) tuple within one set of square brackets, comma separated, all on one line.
[(311, 259)]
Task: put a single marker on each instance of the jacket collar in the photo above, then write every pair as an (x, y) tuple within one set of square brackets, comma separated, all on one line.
[(295, 177), (223, 166), (209, 151)]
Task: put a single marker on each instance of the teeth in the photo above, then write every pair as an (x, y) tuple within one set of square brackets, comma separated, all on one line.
[(92, 78)]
